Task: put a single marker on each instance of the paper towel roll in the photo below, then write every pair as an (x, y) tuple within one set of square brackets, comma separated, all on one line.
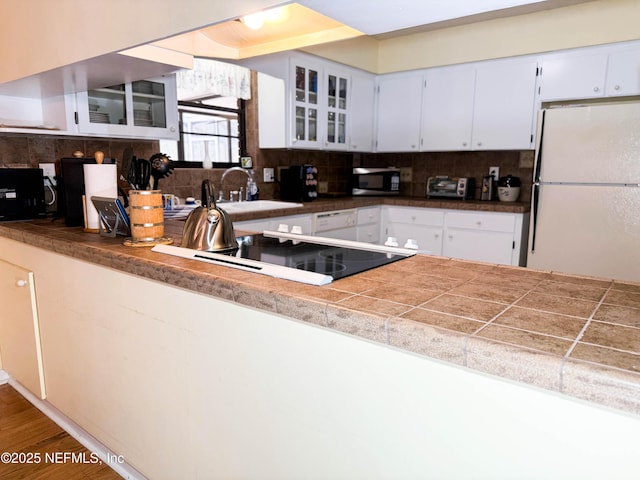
[(99, 181)]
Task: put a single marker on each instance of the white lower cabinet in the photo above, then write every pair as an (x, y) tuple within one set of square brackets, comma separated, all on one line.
[(424, 225), (485, 237), (19, 329), (368, 225), (493, 237), (303, 221)]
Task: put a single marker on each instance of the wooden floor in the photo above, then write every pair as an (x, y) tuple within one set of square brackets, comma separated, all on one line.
[(26, 430)]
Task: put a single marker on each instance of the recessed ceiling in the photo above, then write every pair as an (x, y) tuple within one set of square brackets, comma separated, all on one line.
[(313, 22), (288, 27), (375, 17)]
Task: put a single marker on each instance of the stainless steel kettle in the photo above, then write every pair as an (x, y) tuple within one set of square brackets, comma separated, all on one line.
[(208, 227)]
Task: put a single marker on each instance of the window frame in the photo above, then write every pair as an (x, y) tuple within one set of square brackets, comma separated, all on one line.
[(198, 105)]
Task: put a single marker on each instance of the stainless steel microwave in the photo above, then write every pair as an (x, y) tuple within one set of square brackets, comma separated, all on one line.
[(376, 181)]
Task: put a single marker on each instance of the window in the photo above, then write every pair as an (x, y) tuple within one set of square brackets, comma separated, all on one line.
[(211, 129)]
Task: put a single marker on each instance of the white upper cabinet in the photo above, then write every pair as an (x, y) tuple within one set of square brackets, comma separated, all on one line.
[(141, 109), (399, 111), (306, 104), (623, 73), (360, 123), (573, 75), (272, 116), (327, 106), (504, 104), (337, 103), (484, 106), (447, 108)]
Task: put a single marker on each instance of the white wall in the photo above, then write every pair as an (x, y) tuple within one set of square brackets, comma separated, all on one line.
[(187, 386), (45, 34), (585, 24)]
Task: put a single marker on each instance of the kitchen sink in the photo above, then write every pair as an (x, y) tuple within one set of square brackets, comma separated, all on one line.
[(180, 212), (256, 206)]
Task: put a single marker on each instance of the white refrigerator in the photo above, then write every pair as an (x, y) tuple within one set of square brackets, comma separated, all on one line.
[(585, 210)]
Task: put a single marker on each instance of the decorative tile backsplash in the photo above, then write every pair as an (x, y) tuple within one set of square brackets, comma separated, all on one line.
[(334, 167), (26, 150)]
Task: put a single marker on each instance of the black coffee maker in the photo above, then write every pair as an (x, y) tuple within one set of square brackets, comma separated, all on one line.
[(299, 183)]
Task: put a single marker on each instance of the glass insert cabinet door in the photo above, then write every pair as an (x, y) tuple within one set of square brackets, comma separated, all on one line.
[(140, 104), (149, 104), (143, 109), (306, 104), (109, 105), (336, 110)]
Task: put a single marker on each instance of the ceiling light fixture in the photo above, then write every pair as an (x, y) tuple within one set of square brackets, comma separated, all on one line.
[(254, 21)]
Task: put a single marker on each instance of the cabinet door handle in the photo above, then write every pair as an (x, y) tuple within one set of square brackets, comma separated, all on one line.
[(450, 237), (616, 87), (479, 223), (596, 89), (21, 283)]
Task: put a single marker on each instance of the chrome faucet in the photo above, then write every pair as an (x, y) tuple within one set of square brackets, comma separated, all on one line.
[(240, 194)]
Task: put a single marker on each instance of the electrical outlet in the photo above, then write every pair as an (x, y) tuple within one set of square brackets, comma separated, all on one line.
[(406, 174), (48, 169), (268, 175), (323, 187), (495, 171)]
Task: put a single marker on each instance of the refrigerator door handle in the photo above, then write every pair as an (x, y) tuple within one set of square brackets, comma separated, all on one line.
[(536, 186), (536, 198), (538, 166)]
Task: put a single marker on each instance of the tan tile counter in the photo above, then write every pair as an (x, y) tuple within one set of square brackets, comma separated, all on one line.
[(324, 205), (577, 336)]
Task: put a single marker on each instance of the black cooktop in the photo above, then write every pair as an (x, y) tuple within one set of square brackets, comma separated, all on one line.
[(337, 261)]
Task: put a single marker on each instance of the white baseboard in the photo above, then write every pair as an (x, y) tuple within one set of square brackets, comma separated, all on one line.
[(4, 377), (122, 468)]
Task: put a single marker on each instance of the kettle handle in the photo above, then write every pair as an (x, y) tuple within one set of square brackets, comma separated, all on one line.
[(208, 198)]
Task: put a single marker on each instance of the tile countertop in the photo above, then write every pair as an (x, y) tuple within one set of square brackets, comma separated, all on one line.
[(574, 335), (342, 203)]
